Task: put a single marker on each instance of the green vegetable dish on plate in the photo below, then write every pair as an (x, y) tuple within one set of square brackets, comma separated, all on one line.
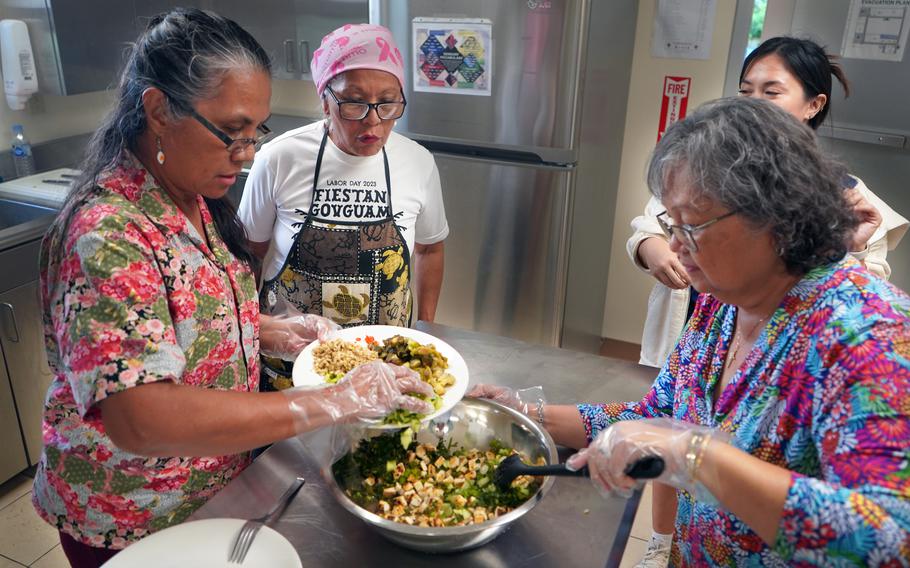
[(335, 358), (430, 486)]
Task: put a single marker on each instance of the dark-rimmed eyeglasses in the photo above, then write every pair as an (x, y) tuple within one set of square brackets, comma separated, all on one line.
[(686, 233), (353, 110), (234, 145)]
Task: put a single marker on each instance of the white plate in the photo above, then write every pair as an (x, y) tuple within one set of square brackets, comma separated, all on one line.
[(205, 543), (305, 376)]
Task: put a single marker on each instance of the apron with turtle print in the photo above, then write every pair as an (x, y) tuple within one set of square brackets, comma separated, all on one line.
[(352, 272)]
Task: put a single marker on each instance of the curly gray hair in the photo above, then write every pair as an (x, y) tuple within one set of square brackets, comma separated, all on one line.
[(756, 159)]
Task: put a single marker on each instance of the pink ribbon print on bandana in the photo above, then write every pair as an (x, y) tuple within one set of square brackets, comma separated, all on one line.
[(356, 46)]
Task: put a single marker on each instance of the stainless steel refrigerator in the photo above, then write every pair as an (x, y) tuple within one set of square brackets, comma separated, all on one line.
[(530, 214)]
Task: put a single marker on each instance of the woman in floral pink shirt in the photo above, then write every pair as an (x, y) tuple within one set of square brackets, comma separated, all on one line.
[(150, 304)]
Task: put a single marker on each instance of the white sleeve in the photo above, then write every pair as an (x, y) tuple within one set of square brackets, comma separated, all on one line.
[(258, 207), (645, 227), (432, 225)]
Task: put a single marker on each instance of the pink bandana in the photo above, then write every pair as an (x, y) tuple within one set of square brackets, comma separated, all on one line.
[(356, 46)]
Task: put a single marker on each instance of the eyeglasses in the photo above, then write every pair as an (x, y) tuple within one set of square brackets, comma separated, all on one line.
[(350, 110), (234, 145), (686, 233)]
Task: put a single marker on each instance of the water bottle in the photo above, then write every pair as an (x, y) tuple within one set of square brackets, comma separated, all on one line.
[(22, 153)]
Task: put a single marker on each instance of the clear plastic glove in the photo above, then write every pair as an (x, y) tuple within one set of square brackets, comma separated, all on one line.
[(367, 392), (522, 400), (285, 336), (623, 443)]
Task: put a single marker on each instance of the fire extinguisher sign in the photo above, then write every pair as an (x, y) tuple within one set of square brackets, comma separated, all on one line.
[(675, 100)]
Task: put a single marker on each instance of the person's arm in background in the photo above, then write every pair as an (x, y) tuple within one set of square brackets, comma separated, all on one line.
[(429, 264), (258, 208), (430, 230), (649, 249)]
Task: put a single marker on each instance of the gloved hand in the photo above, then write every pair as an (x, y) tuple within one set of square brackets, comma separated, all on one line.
[(522, 400), (285, 336), (367, 392), (625, 442)]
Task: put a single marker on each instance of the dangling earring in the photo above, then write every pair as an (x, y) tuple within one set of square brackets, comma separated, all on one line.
[(160, 155)]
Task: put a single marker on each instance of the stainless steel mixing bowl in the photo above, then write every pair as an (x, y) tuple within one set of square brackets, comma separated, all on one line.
[(472, 423)]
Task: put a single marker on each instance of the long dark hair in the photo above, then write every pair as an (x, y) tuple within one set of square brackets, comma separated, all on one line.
[(809, 63), (184, 53)]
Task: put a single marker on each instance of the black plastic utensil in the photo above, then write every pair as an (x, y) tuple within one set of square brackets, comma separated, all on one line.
[(647, 467)]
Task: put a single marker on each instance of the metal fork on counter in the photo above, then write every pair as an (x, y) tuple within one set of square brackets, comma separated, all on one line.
[(250, 529)]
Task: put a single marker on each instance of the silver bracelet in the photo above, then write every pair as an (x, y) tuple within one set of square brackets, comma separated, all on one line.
[(540, 404)]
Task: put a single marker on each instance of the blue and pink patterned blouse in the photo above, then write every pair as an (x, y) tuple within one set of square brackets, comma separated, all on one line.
[(824, 393)]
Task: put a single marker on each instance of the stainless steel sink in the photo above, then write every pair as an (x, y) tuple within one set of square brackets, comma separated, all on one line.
[(14, 213)]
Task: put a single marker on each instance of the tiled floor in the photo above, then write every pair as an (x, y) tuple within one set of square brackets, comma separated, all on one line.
[(641, 531), (25, 539)]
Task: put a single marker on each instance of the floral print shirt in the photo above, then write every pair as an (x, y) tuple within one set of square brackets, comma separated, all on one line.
[(824, 393), (136, 296)]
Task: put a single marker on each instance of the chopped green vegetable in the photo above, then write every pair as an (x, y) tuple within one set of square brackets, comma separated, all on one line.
[(425, 485)]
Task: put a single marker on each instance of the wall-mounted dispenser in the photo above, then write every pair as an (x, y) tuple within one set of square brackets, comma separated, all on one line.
[(20, 80)]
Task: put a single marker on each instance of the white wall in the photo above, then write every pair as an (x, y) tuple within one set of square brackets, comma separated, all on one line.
[(627, 287), (47, 116), (295, 98)]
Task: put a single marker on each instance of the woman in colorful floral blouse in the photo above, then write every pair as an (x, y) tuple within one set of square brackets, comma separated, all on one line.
[(783, 414), (150, 305)]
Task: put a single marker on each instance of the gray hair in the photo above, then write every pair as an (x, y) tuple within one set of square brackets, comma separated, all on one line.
[(755, 158)]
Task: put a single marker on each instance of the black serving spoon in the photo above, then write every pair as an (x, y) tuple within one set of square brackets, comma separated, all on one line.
[(647, 467)]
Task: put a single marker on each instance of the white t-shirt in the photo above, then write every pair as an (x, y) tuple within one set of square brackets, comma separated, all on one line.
[(279, 190)]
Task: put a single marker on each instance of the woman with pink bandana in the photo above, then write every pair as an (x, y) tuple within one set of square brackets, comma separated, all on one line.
[(351, 210)]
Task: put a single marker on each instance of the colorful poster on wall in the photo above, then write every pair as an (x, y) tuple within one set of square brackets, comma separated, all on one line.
[(877, 29), (674, 102), (453, 56)]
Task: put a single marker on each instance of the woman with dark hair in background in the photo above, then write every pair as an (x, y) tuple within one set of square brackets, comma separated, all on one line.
[(150, 305), (796, 75)]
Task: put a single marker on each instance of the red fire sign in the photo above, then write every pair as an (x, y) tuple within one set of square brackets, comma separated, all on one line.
[(675, 99)]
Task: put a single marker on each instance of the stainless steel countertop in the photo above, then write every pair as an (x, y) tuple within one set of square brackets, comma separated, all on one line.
[(572, 526)]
